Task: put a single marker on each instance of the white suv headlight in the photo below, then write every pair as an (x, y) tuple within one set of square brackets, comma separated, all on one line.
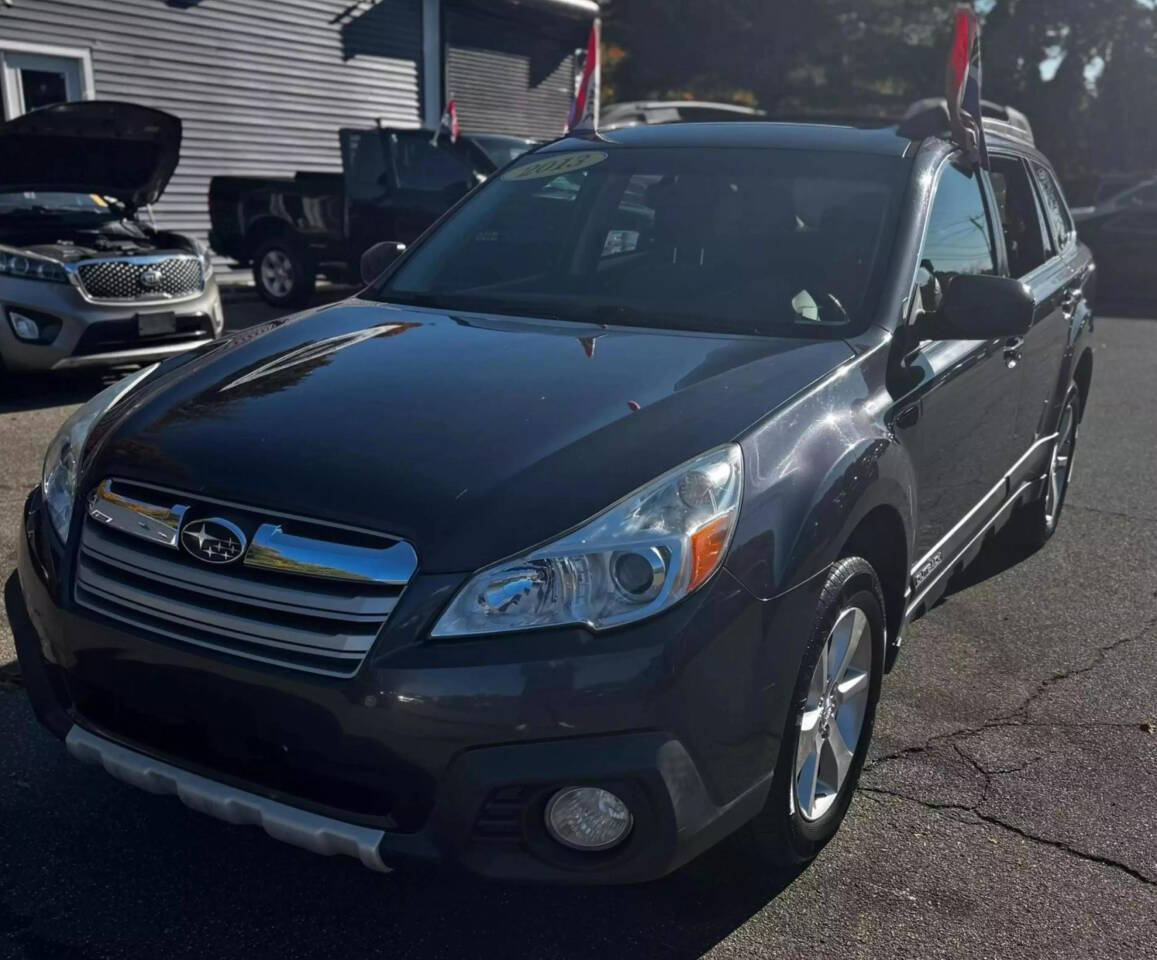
[(61, 463), (636, 558)]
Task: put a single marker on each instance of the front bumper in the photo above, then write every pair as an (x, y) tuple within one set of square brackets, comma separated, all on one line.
[(100, 334), (434, 752)]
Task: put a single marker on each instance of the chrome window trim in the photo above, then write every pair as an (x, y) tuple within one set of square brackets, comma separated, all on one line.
[(72, 267), (149, 521), (301, 828)]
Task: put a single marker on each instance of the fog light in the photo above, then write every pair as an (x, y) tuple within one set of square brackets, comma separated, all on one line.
[(24, 327), (587, 818)]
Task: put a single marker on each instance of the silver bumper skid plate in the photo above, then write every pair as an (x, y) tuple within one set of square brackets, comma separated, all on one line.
[(312, 831)]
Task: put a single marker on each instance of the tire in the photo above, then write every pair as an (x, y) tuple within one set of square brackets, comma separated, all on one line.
[(791, 829), (1034, 524), (283, 274)]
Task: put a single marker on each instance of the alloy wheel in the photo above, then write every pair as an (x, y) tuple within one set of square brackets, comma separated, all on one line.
[(277, 273), (832, 720), (1061, 463)]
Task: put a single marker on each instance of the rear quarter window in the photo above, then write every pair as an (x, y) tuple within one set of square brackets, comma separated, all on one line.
[(1056, 210)]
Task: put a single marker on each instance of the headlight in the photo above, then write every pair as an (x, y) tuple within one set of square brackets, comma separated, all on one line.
[(206, 256), (634, 559), (58, 480), (28, 266)]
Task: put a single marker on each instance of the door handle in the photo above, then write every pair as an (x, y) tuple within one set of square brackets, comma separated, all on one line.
[(1012, 351)]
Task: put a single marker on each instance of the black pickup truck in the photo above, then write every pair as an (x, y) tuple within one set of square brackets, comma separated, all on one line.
[(393, 185)]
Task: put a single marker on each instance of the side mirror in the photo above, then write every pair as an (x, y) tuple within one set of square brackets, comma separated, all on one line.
[(980, 308), (378, 257)]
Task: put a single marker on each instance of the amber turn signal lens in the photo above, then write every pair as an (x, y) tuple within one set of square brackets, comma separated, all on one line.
[(707, 546)]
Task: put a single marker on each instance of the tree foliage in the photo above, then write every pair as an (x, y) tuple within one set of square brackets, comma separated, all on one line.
[(1090, 109)]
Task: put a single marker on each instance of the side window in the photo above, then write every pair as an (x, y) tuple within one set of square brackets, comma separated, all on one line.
[(421, 165), (633, 222), (1020, 219), (1055, 209), (364, 161), (959, 238)]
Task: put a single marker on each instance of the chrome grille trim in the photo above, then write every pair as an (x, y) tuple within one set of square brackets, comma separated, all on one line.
[(288, 616), (118, 279), (274, 549), (156, 523)]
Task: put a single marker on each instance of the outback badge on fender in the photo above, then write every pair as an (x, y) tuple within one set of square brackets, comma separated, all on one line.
[(214, 540)]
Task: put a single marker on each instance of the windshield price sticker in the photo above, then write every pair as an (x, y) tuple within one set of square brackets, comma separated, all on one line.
[(556, 166)]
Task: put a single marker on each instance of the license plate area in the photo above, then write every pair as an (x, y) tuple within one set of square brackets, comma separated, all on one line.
[(156, 324)]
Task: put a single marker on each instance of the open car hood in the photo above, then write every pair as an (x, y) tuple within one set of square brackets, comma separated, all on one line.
[(119, 150)]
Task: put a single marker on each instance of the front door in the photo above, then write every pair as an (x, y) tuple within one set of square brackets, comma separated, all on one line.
[(956, 400)]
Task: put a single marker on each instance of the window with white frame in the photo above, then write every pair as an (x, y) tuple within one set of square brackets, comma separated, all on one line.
[(34, 76)]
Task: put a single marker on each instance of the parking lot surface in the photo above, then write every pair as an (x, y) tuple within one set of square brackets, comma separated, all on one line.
[(1009, 807)]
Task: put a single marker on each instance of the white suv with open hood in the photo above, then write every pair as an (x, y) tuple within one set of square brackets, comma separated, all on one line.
[(83, 282)]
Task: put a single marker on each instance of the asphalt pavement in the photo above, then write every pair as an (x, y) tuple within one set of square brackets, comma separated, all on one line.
[(1009, 808)]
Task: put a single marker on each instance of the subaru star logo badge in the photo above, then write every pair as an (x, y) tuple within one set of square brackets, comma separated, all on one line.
[(151, 278), (213, 540)]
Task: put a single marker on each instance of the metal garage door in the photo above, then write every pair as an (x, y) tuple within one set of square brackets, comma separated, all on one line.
[(511, 69)]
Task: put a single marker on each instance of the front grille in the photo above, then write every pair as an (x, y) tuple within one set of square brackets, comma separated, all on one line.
[(142, 278), (304, 622)]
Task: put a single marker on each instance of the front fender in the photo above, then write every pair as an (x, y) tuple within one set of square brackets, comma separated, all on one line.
[(813, 471)]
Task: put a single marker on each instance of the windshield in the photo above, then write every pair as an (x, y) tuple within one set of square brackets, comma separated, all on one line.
[(44, 203), (786, 242)]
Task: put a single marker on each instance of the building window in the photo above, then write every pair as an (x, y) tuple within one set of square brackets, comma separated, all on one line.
[(32, 77)]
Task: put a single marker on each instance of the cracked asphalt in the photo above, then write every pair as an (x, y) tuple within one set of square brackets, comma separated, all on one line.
[(1009, 807)]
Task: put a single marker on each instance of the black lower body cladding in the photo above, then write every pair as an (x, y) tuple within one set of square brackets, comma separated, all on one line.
[(452, 751)]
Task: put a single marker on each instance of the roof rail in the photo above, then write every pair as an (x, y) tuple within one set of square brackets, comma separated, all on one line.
[(929, 118)]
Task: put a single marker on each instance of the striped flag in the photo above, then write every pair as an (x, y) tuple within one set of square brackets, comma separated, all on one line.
[(963, 82), (584, 112)]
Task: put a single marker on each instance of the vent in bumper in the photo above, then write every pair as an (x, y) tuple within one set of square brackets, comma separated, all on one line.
[(317, 624)]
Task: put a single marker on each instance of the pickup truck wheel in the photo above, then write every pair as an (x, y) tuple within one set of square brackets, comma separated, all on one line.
[(830, 725), (1035, 523), (282, 273)]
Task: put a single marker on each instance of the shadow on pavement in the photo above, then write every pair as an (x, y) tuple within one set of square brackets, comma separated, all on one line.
[(23, 392), (999, 553)]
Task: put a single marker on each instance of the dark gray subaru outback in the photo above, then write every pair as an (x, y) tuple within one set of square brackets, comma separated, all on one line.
[(586, 533)]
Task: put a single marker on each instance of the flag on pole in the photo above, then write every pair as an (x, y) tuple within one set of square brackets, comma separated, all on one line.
[(449, 123), (584, 112), (963, 81)]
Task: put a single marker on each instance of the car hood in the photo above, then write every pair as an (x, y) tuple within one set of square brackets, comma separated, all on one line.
[(119, 150), (472, 437)]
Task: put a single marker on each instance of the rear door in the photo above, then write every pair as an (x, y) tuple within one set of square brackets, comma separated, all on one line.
[(1037, 254), (956, 416)]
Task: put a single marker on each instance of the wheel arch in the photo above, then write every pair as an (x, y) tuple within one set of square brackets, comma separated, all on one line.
[(263, 229)]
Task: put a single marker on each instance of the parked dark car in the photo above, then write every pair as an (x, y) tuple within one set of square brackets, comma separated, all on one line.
[(585, 534), (393, 185), (85, 279), (1122, 230)]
